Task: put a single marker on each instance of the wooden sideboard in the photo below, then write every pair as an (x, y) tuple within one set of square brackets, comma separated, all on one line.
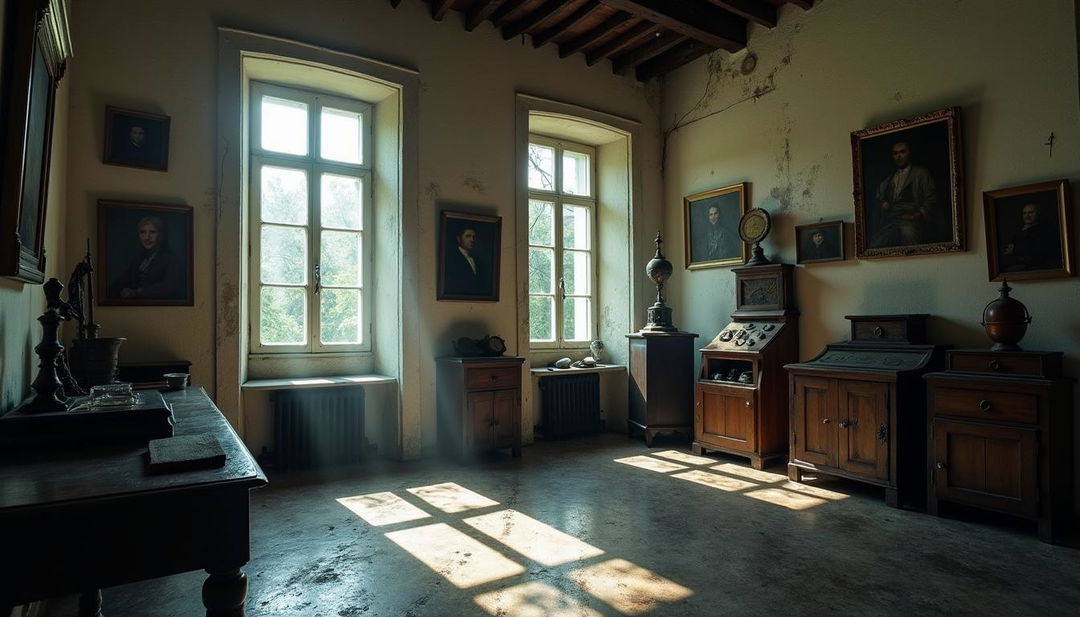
[(1001, 430), (479, 404)]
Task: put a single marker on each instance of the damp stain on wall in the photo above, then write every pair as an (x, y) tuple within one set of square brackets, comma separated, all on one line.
[(432, 191), (794, 189), (229, 316), (474, 184)]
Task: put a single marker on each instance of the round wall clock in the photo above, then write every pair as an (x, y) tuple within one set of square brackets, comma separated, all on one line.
[(753, 227)]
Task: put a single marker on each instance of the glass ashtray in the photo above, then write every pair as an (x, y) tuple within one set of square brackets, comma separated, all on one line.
[(111, 395)]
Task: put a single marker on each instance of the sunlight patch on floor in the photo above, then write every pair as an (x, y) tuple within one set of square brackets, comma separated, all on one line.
[(382, 508), (650, 463), (629, 589), (787, 499), (462, 560), (683, 457), (533, 599), (815, 491), (532, 538), (750, 472), (451, 497), (715, 480)]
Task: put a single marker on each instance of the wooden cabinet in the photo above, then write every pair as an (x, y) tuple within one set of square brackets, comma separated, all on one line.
[(479, 404), (858, 408), (661, 383), (1001, 428)]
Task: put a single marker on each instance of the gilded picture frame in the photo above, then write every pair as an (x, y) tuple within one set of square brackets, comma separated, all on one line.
[(1029, 231), (711, 227)]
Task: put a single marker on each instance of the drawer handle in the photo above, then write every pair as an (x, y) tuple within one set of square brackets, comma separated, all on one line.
[(940, 465), (825, 420), (749, 403), (879, 332), (993, 365), (845, 423), (984, 405)]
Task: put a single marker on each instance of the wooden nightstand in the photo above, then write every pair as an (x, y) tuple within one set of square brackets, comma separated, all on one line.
[(479, 404)]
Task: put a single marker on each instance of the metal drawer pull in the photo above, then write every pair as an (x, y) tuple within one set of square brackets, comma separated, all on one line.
[(825, 420), (984, 405), (993, 365), (879, 332), (940, 465), (845, 423)]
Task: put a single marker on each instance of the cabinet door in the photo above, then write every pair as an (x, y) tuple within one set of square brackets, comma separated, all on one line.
[(863, 428), (506, 406), (727, 416), (986, 466), (480, 419), (813, 420)]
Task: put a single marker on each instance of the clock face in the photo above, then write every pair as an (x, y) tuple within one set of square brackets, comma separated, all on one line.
[(754, 225)]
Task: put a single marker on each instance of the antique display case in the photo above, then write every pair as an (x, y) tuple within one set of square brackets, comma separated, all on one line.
[(741, 396), (858, 408)]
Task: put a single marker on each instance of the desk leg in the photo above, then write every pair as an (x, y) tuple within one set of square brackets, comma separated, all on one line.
[(224, 593), (90, 604)]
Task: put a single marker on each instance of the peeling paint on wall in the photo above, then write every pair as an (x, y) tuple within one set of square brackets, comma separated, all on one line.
[(229, 316), (432, 191)]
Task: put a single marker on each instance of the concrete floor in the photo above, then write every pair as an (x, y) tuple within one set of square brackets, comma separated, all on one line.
[(708, 538)]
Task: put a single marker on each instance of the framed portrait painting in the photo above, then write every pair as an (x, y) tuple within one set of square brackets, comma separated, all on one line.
[(37, 47), (1029, 231), (469, 247), (909, 186), (819, 242), (711, 227), (136, 139), (145, 254)]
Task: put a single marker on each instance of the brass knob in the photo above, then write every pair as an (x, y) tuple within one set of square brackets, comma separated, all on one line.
[(749, 403), (879, 332), (845, 423), (940, 465), (993, 365), (984, 405), (825, 420)]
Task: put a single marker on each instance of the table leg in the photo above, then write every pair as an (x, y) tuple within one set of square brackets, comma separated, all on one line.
[(224, 593), (90, 603)]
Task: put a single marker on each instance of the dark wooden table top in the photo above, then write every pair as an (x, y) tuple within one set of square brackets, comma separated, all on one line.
[(39, 477)]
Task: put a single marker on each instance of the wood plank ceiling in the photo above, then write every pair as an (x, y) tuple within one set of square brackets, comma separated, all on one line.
[(649, 37)]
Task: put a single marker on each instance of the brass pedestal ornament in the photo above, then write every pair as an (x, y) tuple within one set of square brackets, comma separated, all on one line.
[(659, 270)]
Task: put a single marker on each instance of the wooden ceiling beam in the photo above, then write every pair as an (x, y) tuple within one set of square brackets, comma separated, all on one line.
[(696, 19), (617, 44), (505, 11), (480, 10), (645, 52), (545, 36), (751, 10), (674, 58), (439, 8), (532, 19), (582, 41)]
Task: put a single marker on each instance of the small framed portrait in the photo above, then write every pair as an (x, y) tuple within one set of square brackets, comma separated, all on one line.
[(145, 254), (711, 227), (469, 247), (819, 242), (1029, 231), (909, 186), (136, 139)]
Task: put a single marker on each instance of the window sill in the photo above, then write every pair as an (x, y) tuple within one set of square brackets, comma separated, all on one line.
[(301, 383), (304, 355), (540, 371)]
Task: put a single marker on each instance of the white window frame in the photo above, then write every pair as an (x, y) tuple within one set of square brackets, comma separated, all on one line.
[(559, 198), (313, 166)]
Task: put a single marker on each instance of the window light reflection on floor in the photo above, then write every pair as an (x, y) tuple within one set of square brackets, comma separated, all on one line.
[(532, 538), (533, 599), (787, 499), (683, 457), (462, 560), (715, 480), (382, 508), (750, 472), (650, 463), (629, 589), (452, 498)]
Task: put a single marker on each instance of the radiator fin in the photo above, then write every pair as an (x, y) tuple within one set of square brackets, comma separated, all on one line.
[(318, 427), (570, 405)]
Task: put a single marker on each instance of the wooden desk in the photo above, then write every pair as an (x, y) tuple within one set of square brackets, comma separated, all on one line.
[(75, 520)]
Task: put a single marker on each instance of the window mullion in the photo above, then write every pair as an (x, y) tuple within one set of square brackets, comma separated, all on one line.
[(558, 265), (314, 237)]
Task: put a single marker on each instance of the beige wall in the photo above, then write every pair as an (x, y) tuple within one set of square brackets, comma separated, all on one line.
[(852, 64), (161, 57)]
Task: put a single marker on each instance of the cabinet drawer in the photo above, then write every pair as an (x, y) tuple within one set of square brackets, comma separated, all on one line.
[(986, 404), (492, 377), (990, 362)]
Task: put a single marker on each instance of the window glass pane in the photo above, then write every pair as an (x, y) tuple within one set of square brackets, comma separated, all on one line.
[(342, 201), (339, 136), (284, 125), (541, 318), (283, 195), (541, 271), (340, 260), (282, 316), (541, 167), (339, 316), (576, 273), (283, 255), (575, 173), (576, 318), (541, 222), (575, 223)]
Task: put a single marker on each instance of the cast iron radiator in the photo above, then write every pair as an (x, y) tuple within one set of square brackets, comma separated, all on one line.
[(318, 427), (570, 405)]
